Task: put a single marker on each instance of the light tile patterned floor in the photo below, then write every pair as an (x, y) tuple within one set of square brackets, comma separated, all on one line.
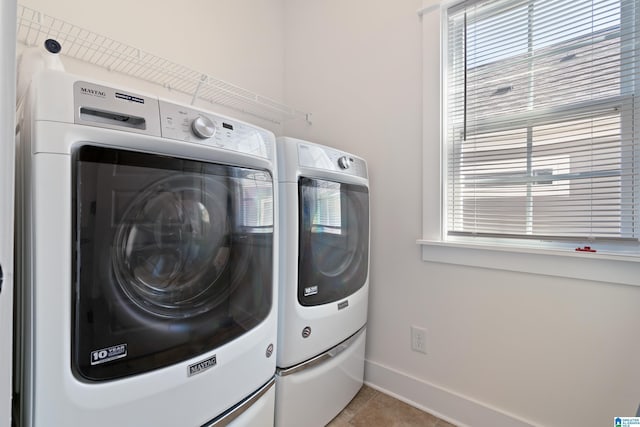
[(371, 408)]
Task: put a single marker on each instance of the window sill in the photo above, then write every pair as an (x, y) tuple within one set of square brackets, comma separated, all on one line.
[(602, 267)]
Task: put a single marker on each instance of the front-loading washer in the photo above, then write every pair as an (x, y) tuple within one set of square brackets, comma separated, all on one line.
[(147, 262), (324, 265)]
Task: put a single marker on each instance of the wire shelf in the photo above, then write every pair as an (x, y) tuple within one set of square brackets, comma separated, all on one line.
[(34, 27)]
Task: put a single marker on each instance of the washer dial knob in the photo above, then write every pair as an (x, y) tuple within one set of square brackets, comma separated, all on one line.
[(344, 162), (203, 127)]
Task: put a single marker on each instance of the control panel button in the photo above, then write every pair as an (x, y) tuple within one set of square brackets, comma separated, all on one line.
[(344, 162), (203, 127)]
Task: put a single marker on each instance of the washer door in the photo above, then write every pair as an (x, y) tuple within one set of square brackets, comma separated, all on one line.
[(333, 261), (173, 258), (172, 245)]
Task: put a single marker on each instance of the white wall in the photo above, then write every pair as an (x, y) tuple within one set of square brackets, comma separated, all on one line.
[(238, 41), (503, 348)]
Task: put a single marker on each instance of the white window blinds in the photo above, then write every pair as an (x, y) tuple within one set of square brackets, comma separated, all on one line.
[(542, 120)]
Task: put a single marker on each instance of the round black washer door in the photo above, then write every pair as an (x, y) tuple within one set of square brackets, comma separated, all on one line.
[(172, 245)]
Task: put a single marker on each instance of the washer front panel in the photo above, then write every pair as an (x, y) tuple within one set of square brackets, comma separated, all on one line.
[(174, 258)]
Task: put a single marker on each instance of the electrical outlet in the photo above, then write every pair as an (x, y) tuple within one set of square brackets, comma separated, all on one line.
[(419, 339)]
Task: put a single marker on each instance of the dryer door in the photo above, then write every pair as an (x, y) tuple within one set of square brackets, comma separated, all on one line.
[(173, 258), (333, 260)]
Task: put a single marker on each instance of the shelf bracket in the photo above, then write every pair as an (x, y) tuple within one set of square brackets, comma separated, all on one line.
[(203, 79)]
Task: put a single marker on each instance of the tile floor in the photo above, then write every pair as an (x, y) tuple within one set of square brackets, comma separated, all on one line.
[(371, 408)]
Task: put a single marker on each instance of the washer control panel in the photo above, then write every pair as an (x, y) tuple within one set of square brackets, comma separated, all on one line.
[(321, 157), (194, 126)]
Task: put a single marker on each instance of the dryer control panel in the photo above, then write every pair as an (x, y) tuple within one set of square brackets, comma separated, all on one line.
[(190, 125), (321, 157)]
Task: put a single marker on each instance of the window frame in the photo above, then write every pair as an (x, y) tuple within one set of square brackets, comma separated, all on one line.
[(526, 121), (537, 257)]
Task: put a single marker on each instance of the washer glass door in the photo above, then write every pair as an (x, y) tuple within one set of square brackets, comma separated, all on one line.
[(333, 260), (173, 258)]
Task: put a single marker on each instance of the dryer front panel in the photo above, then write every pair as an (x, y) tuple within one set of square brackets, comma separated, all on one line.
[(333, 258), (173, 258)]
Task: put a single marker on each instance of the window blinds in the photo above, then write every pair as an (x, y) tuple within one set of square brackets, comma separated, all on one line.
[(541, 132)]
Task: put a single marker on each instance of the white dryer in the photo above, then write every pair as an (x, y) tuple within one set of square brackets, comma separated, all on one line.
[(324, 265), (147, 262)]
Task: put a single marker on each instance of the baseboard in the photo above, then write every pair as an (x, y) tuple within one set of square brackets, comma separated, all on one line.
[(452, 407)]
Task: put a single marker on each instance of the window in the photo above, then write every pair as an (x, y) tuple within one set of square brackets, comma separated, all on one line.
[(540, 133)]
